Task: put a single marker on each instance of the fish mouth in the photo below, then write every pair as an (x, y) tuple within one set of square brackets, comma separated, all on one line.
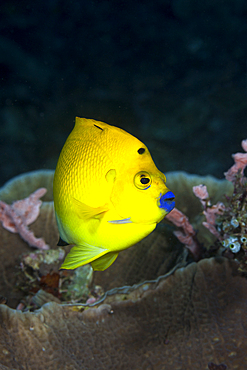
[(167, 202)]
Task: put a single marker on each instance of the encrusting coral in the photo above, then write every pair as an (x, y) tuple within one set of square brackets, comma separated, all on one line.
[(193, 319)]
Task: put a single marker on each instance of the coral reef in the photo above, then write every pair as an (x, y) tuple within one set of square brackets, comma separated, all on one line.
[(192, 319), (147, 314), (226, 222), (232, 224)]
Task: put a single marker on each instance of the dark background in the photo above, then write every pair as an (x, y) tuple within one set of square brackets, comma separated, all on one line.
[(171, 72)]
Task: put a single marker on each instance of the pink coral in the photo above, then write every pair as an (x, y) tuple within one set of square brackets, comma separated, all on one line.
[(201, 192), (20, 214), (240, 160), (210, 212), (188, 235)]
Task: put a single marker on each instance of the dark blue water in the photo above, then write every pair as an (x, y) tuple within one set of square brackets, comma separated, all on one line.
[(171, 72)]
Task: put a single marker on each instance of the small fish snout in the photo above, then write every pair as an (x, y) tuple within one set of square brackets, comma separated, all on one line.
[(167, 202)]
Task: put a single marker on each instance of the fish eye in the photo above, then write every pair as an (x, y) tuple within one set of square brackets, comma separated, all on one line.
[(142, 180)]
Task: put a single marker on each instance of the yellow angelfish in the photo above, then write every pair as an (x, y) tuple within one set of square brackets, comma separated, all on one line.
[(108, 193)]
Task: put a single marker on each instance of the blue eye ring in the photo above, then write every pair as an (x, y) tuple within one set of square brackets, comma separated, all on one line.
[(142, 180)]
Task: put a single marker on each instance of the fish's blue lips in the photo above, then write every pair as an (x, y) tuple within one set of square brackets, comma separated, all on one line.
[(167, 202)]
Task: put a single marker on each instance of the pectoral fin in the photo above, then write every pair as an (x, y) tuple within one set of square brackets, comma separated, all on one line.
[(102, 263), (86, 212), (81, 255)]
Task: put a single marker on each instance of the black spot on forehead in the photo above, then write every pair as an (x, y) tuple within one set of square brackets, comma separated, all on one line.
[(141, 150)]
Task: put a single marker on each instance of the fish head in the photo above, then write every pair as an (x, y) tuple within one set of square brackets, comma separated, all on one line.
[(140, 192)]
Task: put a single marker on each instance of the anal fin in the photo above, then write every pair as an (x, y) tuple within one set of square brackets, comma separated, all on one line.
[(80, 255), (102, 263)]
